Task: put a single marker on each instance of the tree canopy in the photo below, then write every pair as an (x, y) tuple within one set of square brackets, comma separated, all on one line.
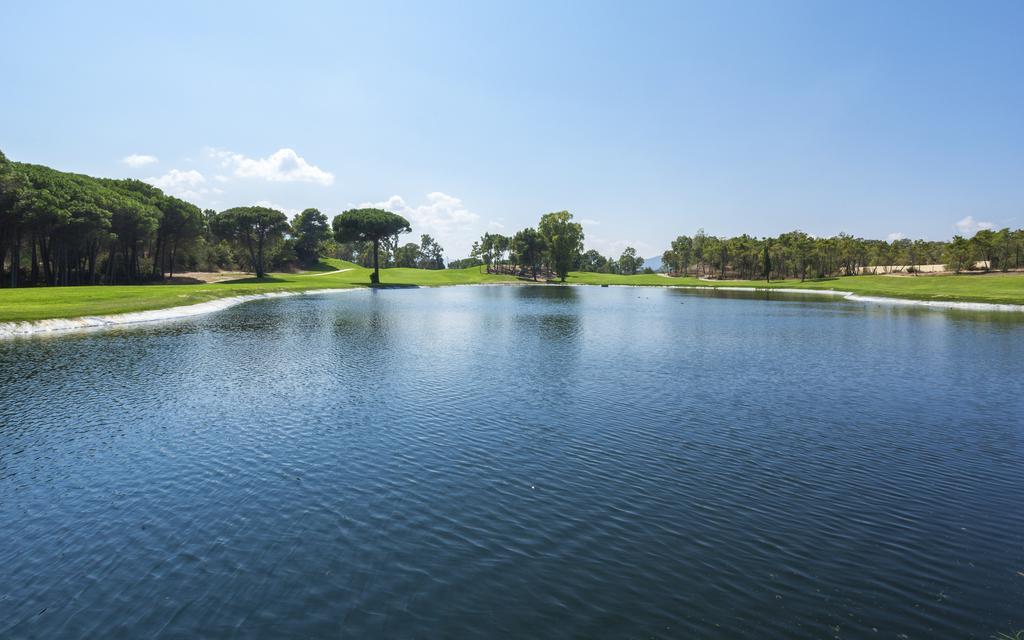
[(254, 228), (311, 234), (630, 262), (563, 239), (529, 246), (369, 225)]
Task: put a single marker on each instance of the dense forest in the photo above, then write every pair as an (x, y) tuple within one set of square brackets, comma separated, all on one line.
[(59, 228)]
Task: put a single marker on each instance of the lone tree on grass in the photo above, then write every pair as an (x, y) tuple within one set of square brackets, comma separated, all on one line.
[(369, 225)]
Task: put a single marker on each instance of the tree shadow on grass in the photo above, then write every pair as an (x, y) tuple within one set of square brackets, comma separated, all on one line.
[(255, 280), (319, 267)]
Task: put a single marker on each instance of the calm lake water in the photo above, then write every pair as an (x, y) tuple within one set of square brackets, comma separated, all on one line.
[(517, 461)]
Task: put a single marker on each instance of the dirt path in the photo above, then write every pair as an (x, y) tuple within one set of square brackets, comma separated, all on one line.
[(209, 277), (325, 273)]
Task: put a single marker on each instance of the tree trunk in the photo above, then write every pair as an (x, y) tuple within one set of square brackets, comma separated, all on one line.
[(375, 276), (157, 268), (35, 262), (111, 264), (15, 258), (93, 249), (252, 254), (259, 258), (44, 249)]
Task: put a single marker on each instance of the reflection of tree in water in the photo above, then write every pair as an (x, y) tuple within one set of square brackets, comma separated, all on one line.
[(547, 292), (549, 330), (364, 341), (560, 327)]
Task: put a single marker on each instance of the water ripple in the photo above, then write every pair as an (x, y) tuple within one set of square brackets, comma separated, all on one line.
[(535, 462)]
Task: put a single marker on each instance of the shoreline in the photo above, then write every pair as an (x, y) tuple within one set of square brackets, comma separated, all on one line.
[(856, 297), (24, 328)]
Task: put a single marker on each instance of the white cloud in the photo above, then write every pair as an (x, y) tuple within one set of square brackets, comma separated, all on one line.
[(589, 221), (188, 185), (969, 226), (291, 213), (284, 165), (137, 160), (184, 184), (494, 224), (894, 236), (443, 216)]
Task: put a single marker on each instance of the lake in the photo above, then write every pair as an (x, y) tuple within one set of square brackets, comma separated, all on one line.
[(542, 462)]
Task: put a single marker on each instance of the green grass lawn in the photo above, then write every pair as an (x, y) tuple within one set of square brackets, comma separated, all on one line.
[(37, 303)]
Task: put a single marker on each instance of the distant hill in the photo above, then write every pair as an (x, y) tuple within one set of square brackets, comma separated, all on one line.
[(654, 263)]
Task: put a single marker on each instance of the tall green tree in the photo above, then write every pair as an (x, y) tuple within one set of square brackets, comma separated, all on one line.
[(529, 246), (591, 261), (630, 262), (408, 255), (563, 240), (369, 225), (180, 222), (11, 222), (682, 253), (253, 228), (431, 253), (984, 245), (959, 255), (312, 233)]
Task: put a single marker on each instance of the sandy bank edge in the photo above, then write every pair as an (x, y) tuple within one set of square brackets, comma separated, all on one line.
[(33, 327), (849, 295)]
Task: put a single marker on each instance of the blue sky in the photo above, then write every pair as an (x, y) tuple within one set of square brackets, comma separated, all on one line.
[(646, 120)]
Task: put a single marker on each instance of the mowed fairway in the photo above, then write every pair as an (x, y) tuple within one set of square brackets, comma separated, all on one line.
[(38, 303)]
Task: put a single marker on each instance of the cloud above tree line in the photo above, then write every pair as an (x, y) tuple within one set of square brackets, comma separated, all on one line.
[(284, 165), (969, 226), (137, 160)]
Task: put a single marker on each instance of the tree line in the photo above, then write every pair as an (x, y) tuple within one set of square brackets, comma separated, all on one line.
[(799, 255), (790, 255), (551, 250), (427, 254), (61, 228)]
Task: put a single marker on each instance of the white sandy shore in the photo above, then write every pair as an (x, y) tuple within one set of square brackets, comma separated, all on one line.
[(849, 295), (13, 329), (31, 327)]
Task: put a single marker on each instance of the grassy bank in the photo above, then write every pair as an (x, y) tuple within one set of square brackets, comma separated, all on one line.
[(39, 303), (990, 288), (71, 302)]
